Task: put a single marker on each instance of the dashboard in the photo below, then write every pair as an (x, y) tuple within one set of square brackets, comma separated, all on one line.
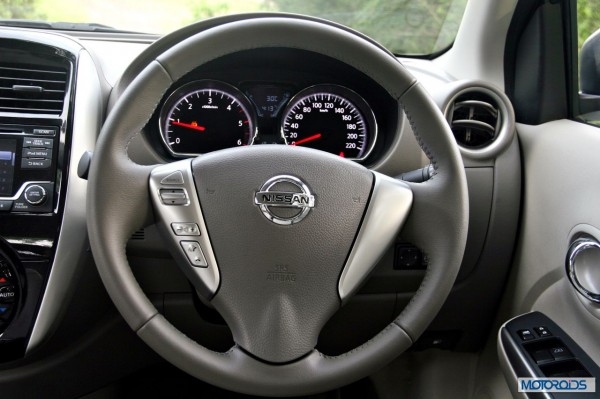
[(264, 96)]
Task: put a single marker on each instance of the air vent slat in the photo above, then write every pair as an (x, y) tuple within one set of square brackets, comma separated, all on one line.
[(474, 119), (472, 124), (62, 82), (38, 100), (47, 93), (45, 90)]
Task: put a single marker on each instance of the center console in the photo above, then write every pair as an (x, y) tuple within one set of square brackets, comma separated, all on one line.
[(35, 139)]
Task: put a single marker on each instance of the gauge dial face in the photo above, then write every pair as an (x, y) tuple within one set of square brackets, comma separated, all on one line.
[(206, 116), (330, 118)]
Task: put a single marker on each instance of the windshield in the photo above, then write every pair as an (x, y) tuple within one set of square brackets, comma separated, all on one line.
[(409, 27)]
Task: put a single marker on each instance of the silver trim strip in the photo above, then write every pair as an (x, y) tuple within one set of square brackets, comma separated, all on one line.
[(72, 242), (389, 207), (22, 188)]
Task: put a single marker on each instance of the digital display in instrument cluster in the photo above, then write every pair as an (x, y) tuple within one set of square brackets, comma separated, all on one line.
[(269, 99), (209, 115)]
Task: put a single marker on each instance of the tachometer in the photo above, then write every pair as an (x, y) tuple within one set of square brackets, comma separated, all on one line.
[(330, 118), (205, 116)]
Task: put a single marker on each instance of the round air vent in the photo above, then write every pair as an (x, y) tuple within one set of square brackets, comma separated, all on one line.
[(474, 119), (481, 118)]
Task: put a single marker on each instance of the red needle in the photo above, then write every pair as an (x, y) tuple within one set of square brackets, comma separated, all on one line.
[(189, 126), (306, 140)]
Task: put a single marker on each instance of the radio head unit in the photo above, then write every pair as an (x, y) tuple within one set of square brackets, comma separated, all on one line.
[(28, 160)]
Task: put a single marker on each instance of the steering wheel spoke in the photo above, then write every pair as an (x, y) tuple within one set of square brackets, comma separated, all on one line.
[(180, 220), (380, 226)]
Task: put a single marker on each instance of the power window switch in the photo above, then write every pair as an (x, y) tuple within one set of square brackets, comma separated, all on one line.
[(542, 356), (542, 332), (525, 335), (560, 353)]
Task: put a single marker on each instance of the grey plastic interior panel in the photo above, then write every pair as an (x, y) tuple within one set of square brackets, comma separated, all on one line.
[(560, 167)]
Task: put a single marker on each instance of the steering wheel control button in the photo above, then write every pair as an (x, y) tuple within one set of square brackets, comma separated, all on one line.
[(284, 200), (175, 178), (175, 196), (194, 253), (185, 229), (542, 332), (525, 335), (35, 195)]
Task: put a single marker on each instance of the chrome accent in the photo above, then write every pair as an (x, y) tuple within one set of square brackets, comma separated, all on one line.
[(205, 279), (577, 248), (22, 188), (303, 199), (388, 208), (72, 243)]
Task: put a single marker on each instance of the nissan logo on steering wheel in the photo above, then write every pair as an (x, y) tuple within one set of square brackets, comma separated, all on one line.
[(284, 200)]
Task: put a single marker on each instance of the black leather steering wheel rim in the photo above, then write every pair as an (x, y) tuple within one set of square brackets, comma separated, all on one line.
[(118, 205)]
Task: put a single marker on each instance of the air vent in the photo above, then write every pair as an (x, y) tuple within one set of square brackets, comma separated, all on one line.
[(139, 235), (474, 119), (32, 89)]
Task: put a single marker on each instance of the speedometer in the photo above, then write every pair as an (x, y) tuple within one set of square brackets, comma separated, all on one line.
[(330, 118), (205, 116)]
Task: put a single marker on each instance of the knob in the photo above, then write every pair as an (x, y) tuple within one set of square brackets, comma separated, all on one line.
[(35, 195)]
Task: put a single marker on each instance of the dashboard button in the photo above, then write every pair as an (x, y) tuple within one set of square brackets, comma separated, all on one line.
[(32, 163), (7, 294), (37, 142), (37, 153), (5, 205), (45, 132), (194, 253), (35, 195)]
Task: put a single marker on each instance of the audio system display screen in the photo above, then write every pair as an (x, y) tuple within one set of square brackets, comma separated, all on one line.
[(8, 149)]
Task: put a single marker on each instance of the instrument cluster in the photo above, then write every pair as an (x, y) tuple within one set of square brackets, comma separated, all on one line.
[(208, 115)]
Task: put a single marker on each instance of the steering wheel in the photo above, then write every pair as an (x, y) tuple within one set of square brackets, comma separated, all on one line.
[(277, 238)]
